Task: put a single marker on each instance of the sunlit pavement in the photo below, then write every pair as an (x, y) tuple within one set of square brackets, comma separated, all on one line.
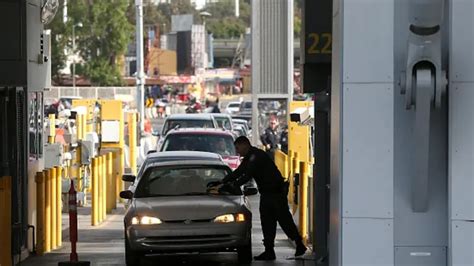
[(104, 245)]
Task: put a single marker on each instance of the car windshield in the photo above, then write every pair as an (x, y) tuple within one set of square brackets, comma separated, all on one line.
[(223, 122), (233, 105), (187, 123), (247, 105), (220, 144), (179, 180)]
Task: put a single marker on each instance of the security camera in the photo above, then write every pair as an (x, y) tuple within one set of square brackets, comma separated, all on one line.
[(302, 115)]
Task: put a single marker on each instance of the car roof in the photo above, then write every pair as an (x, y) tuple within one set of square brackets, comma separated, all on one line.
[(210, 131), (239, 121), (184, 155), (190, 117), (221, 115)]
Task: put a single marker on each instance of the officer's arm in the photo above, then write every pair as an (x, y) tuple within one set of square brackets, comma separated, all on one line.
[(250, 171), (236, 173)]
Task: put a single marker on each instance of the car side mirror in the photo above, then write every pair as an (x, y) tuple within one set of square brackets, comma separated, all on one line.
[(249, 191), (128, 178), (156, 134), (127, 194)]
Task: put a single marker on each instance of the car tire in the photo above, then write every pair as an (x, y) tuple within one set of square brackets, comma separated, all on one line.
[(244, 253), (131, 257)]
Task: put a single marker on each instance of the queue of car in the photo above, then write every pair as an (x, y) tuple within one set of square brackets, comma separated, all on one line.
[(173, 205)]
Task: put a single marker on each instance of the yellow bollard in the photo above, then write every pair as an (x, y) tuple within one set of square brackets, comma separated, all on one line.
[(79, 128), (132, 140), (54, 212), (59, 216), (95, 192), (52, 128), (40, 210), (104, 187), (303, 201), (293, 188), (110, 183), (47, 213), (5, 220), (121, 166), (290, 179), (99, 188)]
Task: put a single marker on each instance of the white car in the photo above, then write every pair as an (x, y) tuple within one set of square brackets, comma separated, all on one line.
[(232, 107)]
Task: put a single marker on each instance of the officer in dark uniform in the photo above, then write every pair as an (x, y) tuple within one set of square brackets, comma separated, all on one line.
[(273, 200), (284, 140), (270, 138)]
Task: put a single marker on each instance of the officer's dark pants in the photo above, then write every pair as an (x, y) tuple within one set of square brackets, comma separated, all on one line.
[(273, 208)]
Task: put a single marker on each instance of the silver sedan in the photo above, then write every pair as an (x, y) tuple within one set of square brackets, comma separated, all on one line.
[(172, 210)]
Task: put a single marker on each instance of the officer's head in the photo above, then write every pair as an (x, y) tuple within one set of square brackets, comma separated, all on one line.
[(273, 122), (242, 145)]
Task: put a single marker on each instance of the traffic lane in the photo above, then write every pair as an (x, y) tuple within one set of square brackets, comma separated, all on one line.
[(104, 245)]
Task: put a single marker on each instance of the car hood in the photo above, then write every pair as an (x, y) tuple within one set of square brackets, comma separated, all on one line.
[(188, 207), (232, 161)]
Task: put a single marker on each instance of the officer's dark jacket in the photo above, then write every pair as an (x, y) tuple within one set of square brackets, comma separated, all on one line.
[(270, 137), (259, 166)]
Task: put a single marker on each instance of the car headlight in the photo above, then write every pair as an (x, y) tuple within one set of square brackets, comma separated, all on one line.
[(145, 220), (230, 218)]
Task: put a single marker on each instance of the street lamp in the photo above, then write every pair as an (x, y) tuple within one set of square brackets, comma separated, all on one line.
[(204, 15), (76, 92)]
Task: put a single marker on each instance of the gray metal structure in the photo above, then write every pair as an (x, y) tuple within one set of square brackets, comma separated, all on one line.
[(140, 78), (272, 53), (401, 154)]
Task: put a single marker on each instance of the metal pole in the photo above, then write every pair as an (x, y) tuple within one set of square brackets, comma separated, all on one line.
[(74, 61), (140, 73), (237, 7)]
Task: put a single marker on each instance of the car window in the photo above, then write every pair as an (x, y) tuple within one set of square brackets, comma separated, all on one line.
[(171, 124), (233, 105), (223, 122), (220, 144), (178, 180)]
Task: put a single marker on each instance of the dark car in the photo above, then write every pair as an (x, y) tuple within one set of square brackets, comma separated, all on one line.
[(173, 210), (217, 141)]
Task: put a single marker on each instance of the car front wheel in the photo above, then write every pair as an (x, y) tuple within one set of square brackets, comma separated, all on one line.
[(244, 253), (131, 257)]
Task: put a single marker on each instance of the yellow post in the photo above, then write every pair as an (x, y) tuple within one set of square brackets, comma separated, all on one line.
[(303, 201), (121, 166), (5, 220), (54, 212), (79, 128), (59, 216), (110, 184), (52, 128), (295, 171), (47, 213), (104, 187), (291, 154), (132, 140), (40, 213), (100, 187), (95, 192)]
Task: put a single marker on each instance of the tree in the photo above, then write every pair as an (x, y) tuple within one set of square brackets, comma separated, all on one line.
[(223, 23), (103, 38)]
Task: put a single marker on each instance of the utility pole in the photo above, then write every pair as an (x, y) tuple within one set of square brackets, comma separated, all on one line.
[(237, 8), (140, 74)]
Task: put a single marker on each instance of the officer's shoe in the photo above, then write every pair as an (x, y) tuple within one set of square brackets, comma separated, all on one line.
[(269, 254), (300, 249)]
